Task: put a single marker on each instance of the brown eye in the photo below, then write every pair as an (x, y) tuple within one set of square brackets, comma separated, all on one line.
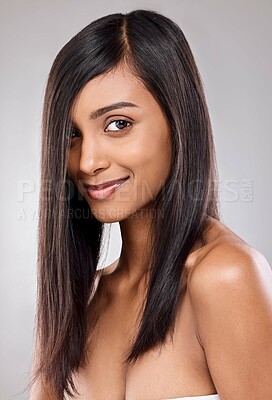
[(74, 133), (118, 124)]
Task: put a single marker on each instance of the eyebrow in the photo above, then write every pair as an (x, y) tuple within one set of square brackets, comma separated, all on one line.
[(121, 104)]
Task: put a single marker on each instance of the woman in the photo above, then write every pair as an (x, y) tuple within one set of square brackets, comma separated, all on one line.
[(186, 310)]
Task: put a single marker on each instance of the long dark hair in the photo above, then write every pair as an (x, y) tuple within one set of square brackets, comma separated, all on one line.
[(155, 49)]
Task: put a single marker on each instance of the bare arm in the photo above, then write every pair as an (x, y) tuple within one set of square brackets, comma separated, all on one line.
[(231, 295)]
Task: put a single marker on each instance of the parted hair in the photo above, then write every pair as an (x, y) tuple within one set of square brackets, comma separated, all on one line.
[(155, 49)]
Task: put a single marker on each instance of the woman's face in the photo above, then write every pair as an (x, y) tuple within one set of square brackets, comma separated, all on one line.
[(115, 142)]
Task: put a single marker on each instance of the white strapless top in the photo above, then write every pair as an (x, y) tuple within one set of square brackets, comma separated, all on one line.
[(208, 397)]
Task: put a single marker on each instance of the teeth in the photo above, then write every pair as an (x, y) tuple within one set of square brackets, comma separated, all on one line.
[(110, 185)]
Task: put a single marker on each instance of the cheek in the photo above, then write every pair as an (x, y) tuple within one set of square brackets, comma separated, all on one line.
[(72, 166), (151, 164)]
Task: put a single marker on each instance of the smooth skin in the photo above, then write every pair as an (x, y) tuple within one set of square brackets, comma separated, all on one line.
[(222, 340), (103, 150)]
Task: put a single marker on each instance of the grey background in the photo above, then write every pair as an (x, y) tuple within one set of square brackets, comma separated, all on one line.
[(231, 41)]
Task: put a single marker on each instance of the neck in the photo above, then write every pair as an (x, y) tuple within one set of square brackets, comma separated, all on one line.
[(135, 245), (131, 268)]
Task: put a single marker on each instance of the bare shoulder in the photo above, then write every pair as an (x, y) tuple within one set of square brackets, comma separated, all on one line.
[(230, 262), (230, 292)]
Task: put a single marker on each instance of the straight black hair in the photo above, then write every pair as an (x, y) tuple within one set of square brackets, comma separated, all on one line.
[(154, 48)]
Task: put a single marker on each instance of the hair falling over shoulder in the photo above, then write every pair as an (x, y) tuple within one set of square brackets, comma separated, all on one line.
[(69, 243)]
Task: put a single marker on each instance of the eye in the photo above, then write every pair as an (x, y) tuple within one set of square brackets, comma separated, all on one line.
[(73, 132), (120, 124)]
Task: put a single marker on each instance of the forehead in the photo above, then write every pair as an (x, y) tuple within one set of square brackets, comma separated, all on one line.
[(114, 86)]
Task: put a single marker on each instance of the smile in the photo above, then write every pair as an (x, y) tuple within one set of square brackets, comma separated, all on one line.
[(104, 193)]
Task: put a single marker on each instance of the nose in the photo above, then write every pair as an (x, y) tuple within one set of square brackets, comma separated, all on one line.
[(92, 157)]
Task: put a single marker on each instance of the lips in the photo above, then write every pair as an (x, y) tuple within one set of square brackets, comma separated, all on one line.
[(105, 184), (103, 191)]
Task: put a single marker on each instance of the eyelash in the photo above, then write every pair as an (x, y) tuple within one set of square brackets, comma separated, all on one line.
[(74, 130)]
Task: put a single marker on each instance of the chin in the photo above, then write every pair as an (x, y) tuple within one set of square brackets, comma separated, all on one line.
[(111, 215)]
